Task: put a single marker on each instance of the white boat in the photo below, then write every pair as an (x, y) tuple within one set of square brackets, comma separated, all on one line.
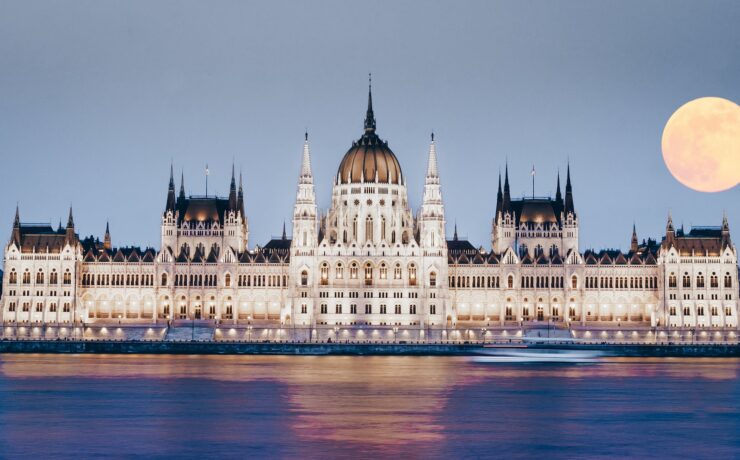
[(526, 354)]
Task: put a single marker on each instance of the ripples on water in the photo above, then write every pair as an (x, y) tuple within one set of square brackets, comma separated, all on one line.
[(329, 407)]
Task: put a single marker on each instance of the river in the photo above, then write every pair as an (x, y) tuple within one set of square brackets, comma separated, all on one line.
[(160, 406)]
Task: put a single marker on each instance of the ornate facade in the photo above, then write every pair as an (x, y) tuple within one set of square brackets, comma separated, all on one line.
[(369, 260)]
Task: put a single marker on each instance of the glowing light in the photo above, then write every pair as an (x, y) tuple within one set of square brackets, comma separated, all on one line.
[(701, 144)]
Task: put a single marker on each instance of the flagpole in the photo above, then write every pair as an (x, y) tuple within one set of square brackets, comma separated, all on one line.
[(206, 180), (533, 181)]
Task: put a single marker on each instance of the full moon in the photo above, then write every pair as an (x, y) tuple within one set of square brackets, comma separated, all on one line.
[(701, 144)]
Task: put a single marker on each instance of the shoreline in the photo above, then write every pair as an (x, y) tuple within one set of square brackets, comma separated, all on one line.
[(350, 349)]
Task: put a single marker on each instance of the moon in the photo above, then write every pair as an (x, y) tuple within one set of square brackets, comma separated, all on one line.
[(701, 144)]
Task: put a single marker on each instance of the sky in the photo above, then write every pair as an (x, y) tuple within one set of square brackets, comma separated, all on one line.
[(97, 98)]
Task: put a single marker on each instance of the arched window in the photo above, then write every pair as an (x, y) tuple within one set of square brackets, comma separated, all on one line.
[(368, 273), (433, 279), (728, 280), (714, 280), (369, 229), (304, 278), (339, 271), (13, 278), (40, 277), (324, 273), (67, 277), (164, 279), (700, 280), (672, 280), (510, 282), (412, 274), (353, 270), (574, 282), (405, 238), (397, 272), (26, 277), (686, 280), (354, 228), (382, 228), (53, 278), (227, 280), (383, 271)]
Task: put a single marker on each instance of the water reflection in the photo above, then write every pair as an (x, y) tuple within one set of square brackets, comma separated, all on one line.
[(414, 406)]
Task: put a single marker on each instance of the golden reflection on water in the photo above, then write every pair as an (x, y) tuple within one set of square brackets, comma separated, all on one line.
[(377, 401)]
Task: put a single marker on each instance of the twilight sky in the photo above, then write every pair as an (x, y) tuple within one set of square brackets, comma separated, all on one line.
[(97, 97)]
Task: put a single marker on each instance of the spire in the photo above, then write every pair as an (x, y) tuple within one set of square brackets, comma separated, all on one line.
[(633, 242), (240, 196), (70, 220), (506, 203), (569, 194), (370, 116), (454, 235), (306, 174), (432, 171), (725, 231), (499, 195), (232, 191), (15, 237), (171, 191), (558, 196), (106, 239), (70, 233), (285, 235), (182, 186)]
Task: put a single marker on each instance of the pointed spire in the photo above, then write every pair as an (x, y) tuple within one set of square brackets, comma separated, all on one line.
[(669, 224), (499, 195), (232, 190), (285, 235), (306, 173), (454, 235), (558, 196), (240, 196), (633, 242), (506, 203), (15, 236), (170, 206), (182, 186), (106, 240), (569, 207), (432, 171), (70, 220), (370, 116)]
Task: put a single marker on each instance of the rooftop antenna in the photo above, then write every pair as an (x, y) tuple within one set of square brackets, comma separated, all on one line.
[(533, 173), (207, 172)]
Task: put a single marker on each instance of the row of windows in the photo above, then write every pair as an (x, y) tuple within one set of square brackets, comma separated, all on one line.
[(382, 309), (368, 272), (26, 306), (117, 279), (40, 277), (713, 310), (260, 280), (686, 280), (477, 282), (621, 282)]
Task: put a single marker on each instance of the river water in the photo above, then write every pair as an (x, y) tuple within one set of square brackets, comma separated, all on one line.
[(59, 406)]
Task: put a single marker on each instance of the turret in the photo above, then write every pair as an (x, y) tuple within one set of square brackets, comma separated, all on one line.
[(558, 196), (725, 232), (670, 232), (432, 219)]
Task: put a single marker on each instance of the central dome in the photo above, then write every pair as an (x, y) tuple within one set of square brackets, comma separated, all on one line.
[(369, 159)]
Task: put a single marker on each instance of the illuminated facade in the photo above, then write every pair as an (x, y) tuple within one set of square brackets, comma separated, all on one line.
[(369, 260)]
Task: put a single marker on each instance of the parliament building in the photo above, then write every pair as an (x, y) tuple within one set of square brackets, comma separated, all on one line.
[(370, 261)]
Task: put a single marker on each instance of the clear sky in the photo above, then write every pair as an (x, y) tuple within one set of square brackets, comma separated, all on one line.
[(97, 97)]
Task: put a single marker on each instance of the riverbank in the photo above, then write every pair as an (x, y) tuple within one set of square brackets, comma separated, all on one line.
[(356, 349)]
